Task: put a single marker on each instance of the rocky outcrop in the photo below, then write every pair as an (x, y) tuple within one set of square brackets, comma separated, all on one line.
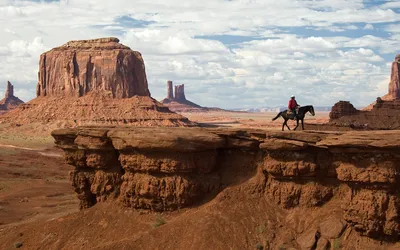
[(384, 113), (394, 85), (93, 82), (342, 108), (170, 93), (178, 102), (9, 90), (9, 101), (79, 67), (94, 109), (180, 93), (170, 168)]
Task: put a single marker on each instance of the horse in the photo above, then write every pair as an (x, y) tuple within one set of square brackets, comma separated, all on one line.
[(300, 116)]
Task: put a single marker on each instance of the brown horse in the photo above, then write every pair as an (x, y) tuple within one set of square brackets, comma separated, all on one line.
[(300, 116)]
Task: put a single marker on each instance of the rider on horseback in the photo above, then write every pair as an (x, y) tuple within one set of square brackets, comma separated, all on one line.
[(293, 105)]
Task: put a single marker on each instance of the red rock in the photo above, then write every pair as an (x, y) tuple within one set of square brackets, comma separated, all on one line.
[(394, 85), (342, 108), (178, 103), (180, 92), (10, 90), (79, 67), (171, 168), (9, 101), (170, 92), (93, 82)]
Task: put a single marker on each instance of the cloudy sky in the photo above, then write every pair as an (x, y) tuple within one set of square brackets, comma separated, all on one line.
[(228, 53)]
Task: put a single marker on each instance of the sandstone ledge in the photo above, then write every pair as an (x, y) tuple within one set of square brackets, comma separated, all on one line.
[(170, 168)]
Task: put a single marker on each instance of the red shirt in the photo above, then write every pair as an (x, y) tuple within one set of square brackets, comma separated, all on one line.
[(292, 104)]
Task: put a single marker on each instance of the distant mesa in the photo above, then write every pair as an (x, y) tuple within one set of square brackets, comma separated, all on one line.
[(384, 113), (93, 82), (178, 103), (9, 102)]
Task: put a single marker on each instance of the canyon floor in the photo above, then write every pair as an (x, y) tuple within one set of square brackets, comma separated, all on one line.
[(39, 209)]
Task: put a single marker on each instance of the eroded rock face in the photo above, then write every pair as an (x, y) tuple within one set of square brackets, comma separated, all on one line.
[(178, 102), (170, 93), (170, 168), (342, 108), (9, 101), (93, 82), (79, 67), (180, 92), (394, 85), (382, 114)]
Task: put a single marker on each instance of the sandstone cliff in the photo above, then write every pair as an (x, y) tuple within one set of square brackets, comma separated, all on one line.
[(342, 108), (394, 85), (9, 101), (78, 67), (92, 82), (167, 169), (384, 113)]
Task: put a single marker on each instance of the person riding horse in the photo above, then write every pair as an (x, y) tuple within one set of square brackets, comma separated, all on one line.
[(293, 114), (293, 105)]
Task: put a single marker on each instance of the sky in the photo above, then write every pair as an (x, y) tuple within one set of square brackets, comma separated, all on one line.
[(228, 53)]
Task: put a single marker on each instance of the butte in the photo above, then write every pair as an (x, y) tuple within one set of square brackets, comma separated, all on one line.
[(93, 82)]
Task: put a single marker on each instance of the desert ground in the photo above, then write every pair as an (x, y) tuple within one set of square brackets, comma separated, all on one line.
[(34, 183), (251, 120), (35, 192)]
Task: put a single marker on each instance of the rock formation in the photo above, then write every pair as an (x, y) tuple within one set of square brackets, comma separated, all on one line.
[(78, 67), (178, 102), (180, 93), (9, 90), (92, 82), (166, 169), (9, 101), (394, 85), (170, 94), (342, 108), (384, 113)]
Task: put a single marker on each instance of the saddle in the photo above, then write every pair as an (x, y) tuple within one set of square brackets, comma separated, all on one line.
[(291, 114)]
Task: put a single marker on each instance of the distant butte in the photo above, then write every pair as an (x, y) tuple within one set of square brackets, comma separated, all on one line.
[(9, 101), (384, 113), (93, 82), (79, 67), (179, 103)]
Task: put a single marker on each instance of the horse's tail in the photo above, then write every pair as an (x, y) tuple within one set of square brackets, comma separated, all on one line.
[(277, 116)]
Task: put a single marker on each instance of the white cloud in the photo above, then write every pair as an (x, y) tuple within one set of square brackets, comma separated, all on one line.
[(395, 28), (292, 49), (368, 26), (391, 5)]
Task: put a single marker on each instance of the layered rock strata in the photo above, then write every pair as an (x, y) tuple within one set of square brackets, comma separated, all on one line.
[(170, 168), (342, 108), (79, 67), (91, 82), (384, 113)]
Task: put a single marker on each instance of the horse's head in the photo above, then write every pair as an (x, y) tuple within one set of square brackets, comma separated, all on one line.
[(311, 109)]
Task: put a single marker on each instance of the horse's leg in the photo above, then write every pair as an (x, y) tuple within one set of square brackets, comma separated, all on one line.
[(302, 123), (297, 124), (283, 126), (286, 124)]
